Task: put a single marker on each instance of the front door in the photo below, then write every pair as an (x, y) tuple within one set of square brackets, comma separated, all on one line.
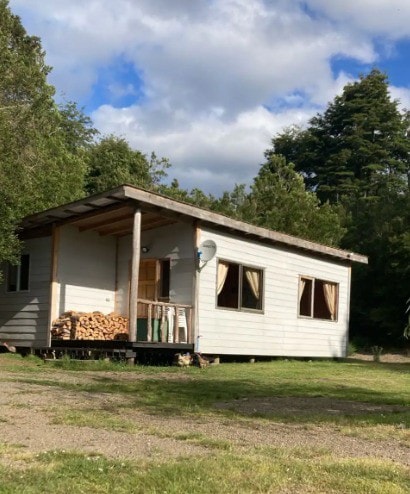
[(148, 284)]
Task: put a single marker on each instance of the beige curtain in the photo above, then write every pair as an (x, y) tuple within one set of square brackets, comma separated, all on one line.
[(329, 290), (253, 278), (223, 268), (302, 284)]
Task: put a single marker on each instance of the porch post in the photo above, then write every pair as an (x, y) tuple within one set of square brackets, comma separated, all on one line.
[(194, 336), (54, 296), (135, 264)]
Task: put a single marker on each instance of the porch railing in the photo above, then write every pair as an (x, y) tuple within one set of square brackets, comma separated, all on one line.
[(164, 322)]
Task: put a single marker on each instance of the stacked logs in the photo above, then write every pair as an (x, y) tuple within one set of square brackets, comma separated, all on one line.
[(74, 325)]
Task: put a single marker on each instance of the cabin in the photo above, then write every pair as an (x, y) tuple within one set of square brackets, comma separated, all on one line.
[(181, 277)]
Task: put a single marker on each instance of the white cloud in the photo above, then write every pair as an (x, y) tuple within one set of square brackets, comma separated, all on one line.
[(208, 152), (378, 17), (209, 70)]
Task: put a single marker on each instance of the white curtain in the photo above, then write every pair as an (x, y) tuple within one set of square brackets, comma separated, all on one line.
[(223, 268), (330, 290), (253, 278)]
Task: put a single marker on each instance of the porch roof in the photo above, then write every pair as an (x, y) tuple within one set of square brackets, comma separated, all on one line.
[(111, 213)]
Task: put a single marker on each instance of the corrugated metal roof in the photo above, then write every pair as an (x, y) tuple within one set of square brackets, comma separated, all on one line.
[(126, 198)]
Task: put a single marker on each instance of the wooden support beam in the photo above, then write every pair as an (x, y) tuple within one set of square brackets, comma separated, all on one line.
[(194, 326), (135, 264), (53, 304)]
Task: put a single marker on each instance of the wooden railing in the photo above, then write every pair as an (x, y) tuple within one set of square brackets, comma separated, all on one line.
[(165, 322)]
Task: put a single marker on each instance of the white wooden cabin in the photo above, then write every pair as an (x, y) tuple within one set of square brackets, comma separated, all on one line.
[(255, 292)]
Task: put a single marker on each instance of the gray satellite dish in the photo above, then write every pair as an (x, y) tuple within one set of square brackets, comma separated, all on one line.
[(207, 250)]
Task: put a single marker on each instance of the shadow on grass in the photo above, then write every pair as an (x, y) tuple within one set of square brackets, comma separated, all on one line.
[(193, 392), (403, 367)]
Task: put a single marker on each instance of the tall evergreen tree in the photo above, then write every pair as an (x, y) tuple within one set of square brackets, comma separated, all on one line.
[(359, 141), (357, 153), (279, 200)]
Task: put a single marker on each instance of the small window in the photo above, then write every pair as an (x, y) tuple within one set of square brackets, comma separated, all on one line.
[(165, 272), (318, 298), (239, 287), (18, 275)]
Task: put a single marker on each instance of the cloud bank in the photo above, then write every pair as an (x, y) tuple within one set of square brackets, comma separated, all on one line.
[(208, 83)]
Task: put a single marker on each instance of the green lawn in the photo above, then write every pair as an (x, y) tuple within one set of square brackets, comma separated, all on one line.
[(192, 393)]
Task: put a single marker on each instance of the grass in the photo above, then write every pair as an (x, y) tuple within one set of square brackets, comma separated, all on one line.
[(227, 466), (274, 470)]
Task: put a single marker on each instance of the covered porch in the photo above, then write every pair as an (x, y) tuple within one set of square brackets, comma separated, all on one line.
[(137, 262)]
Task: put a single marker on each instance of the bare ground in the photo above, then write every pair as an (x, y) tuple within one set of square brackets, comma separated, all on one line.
[(28, 412)]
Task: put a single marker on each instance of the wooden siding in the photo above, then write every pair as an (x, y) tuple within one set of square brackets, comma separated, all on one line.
[(174, 242), (86, 271), (278, 331), (24, 315)]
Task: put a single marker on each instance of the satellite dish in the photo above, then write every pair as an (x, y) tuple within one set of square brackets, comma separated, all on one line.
[(207, 250)]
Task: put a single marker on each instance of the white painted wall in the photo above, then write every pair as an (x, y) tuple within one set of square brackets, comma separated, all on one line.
[(24, 315), (278, 331), (86, 271), (174, 242)]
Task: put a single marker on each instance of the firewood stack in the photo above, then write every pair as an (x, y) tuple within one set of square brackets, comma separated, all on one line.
[(90, 326)]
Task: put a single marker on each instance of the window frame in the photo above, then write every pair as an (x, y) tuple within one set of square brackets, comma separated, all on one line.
[(241, 267), (19, 275), (312, 298)]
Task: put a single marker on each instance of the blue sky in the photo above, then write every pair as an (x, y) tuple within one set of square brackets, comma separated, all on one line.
[(207, 83)]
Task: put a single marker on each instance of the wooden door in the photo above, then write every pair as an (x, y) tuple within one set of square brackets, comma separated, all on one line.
[(148, 284)]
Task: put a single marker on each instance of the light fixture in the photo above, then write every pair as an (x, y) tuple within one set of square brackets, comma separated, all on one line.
[(144, 249)]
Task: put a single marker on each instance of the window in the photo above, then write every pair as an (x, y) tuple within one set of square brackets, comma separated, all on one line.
[(18, 276), (318, 298), (239, 287), (165, 271)]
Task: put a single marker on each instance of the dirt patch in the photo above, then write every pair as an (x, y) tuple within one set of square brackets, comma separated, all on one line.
[(28, 414), (284, 405), (388, 358)]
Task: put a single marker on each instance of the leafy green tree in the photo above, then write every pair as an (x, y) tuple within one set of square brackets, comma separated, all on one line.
[(112, 162), (279, 200), (38, 166)]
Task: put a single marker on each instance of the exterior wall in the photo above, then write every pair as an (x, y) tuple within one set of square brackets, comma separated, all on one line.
[(278, 331), (86, 271), (174, 242), (24, 315)]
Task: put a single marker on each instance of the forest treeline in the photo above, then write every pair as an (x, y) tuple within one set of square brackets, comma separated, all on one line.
[(343, 180)]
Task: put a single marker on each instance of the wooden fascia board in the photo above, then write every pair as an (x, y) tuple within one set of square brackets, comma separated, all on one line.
[(239, 226)]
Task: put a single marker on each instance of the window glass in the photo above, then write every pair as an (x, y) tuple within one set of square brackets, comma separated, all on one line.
[(318, 299), (18, 276), (239, 286), (305, 297), (251, 288), (228, 295), (165, 278)]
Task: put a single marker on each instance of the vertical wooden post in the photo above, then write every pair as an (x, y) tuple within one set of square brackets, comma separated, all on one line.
[(176, 325), (349, 287), (135, 265), (194, 326), (53, 300), (149, 328)]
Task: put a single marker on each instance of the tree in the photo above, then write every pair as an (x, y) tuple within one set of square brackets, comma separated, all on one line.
[(112, 162), (354, 145), (279, 200), (357, 154), (37, 164)]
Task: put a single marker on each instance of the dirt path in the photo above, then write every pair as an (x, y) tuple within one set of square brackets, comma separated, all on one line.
[(28, 413)]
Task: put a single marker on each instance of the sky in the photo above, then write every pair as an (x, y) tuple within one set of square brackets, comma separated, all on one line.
[(208, 83)]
